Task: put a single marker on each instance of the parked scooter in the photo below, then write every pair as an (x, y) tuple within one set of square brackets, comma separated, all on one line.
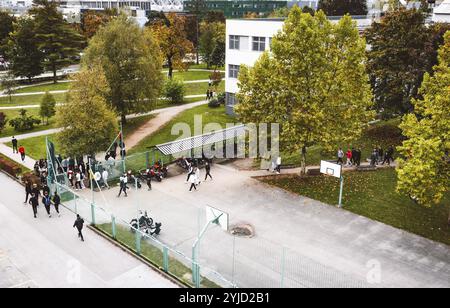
[(145, 224)]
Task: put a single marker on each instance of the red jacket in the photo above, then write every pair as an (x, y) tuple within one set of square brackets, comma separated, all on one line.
[(349, 154), (22, 150)]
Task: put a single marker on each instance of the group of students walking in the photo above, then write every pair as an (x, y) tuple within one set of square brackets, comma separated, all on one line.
[(353, 156), (18, 149), (32, 196), (194, 175)]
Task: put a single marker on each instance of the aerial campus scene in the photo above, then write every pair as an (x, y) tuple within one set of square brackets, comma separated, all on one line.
[(214, 144)]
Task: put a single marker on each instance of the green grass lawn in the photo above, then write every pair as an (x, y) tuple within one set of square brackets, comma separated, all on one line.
[(35, 147), (45, 87), (154, 254), (28, 100), (382, 134), (373, 195), (200, 88), (191, 75), (11, 114), (210, 115), (203, 66)]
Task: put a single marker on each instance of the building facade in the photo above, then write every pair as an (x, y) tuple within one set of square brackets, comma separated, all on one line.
[(247, 39), (441, 13)]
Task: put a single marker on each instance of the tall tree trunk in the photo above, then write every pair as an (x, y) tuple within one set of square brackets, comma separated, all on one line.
[(123, 118), (54, 74), (170, 64), (303, 163), (197, 43), (448, 218)]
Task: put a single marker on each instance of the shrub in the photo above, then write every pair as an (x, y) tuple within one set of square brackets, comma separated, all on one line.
[(24, 122), (214, 103), (216, 78), (10, 167), (174, 91), (221, 98)]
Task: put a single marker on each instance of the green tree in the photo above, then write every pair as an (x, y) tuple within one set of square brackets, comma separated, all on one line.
[(342, 7), (8, 84), (313, 83), (174, 91), (48, 106), (212, 42), (424, 170), (401, 52), (132, 63), (56, 39), (173, 42), (88, 123), (6, 27), (23, 53)]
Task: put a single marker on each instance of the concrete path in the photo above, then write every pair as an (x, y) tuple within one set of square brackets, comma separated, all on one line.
[(163, 116), (313, 244), (45, 252)]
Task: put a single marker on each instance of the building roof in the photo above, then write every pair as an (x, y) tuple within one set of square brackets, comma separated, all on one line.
[(443, 8), (187, 144)]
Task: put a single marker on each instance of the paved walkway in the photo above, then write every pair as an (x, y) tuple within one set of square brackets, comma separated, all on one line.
[(45, 252), (163, 117), (322, 245)]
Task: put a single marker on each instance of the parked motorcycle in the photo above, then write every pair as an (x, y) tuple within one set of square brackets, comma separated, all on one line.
[(145, 224)]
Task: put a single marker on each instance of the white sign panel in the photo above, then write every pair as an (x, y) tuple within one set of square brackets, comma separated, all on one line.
[(216, 214), (330, 168)]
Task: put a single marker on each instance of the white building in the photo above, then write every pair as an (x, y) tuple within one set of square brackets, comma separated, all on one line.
[(246, 40), (441, 13)]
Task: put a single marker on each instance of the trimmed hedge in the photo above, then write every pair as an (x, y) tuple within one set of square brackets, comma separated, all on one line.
[(10, 167)]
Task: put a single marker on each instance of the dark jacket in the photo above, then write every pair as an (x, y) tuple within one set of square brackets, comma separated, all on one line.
[(56, 199), (34, 201), (79, 223)]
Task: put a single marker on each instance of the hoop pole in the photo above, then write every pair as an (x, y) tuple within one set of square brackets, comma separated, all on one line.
[(340, 191)]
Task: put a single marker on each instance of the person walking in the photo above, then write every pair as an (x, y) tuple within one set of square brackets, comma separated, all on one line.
[(373, 158), (105, 176), (28, 191), (190, 172), (14, 144), (208, 171), (70, 176), (349, 157), (192, 181), (123, 185), (148, 175), (278, 165), (340, 155), (35, 191), (47, 202), (79, 222), (57, 202), (78, 181), (380, 155), (197, 176), (34, 202), (207, 94), (22, 152)]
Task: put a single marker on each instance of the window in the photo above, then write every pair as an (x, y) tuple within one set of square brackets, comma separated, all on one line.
[(231, 99), (234, 42), (259, 43), (233, 71)]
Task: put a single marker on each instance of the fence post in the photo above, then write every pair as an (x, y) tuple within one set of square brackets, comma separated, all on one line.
[(138, 242), (113, 226), (75, 200), (93, 214), (165, 259), (282, 266)]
